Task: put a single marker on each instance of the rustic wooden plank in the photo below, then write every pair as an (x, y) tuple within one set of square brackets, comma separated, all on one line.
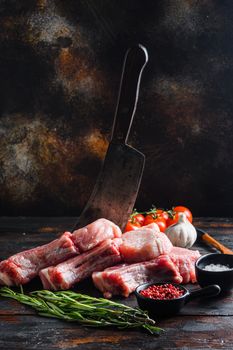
[(186, 332), (12, 307), (36, 224), (214, 225), (57, 224), (214, 221), (14, 243), (197, 333)]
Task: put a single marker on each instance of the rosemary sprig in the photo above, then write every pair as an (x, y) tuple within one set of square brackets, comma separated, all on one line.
[(84, 309)]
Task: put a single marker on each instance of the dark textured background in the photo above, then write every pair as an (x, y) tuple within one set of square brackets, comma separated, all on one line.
[(60, 64)]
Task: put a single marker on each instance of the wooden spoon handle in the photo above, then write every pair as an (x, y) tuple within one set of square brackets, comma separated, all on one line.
[(207, 238)]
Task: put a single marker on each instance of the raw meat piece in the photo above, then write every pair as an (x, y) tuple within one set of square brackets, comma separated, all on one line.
[(185, 259), (66, 274), (178, 267), (144, 244), (123, 279), (91, 235), (22, 267), (153, 225)]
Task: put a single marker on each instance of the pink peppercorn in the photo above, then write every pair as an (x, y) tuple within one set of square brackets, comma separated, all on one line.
[(163, 292)]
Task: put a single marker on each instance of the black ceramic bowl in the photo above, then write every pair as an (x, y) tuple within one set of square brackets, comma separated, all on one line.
[(223, 278), (158, 307)]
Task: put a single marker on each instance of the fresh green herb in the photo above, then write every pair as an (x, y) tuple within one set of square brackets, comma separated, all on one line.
[(84, 309)]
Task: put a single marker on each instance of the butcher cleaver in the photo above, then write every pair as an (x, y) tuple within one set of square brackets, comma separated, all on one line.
[(117, 186)]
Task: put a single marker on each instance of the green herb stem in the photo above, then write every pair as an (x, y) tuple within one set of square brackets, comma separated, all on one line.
[(84, 309)]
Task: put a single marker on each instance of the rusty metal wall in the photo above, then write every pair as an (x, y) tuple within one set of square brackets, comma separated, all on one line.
[(60, 64)]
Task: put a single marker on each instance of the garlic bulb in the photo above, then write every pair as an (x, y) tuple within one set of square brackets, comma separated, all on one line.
[(183, 233)]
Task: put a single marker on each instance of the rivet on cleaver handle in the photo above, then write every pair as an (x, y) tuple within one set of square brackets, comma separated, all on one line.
[(135, 60), (117, 186)]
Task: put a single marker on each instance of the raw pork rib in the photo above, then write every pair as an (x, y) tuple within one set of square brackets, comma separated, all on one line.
[(178, 267), (22, 267), (144, 244), (123, 279), (98, 231), (184, 259), (65, 275)]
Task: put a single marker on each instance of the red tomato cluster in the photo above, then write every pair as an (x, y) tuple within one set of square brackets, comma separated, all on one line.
[(163, 218)]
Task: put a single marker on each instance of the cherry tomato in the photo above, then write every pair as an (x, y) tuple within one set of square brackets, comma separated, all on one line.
[(162, 213), (186, 211), (161, 222), (172, 220), (148, 220), (130, 226), (138, 218), (175, 217)]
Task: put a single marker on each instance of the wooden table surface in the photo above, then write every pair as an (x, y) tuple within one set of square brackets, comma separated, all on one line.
[(202, 324)]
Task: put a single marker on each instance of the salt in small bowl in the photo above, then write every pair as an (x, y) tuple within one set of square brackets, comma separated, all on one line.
[(222, 278)]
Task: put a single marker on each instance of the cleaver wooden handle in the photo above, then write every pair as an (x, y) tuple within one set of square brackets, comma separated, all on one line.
[(135, 60), (210, 240)]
